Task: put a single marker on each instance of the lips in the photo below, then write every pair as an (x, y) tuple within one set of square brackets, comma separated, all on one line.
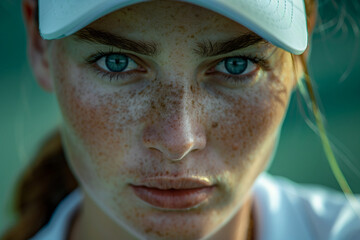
[(168, 193)]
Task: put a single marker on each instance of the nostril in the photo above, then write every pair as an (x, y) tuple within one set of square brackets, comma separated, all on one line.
[(155, 150)]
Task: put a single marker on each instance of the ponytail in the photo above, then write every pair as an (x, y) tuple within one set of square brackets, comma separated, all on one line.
[(43, 185)]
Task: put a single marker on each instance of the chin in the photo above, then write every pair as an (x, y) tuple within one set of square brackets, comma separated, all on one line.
[(150, 223)]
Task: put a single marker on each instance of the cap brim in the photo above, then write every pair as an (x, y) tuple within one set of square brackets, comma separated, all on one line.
[(281, 22)]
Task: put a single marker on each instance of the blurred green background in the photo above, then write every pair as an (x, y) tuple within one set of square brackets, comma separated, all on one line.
[(28, 114)]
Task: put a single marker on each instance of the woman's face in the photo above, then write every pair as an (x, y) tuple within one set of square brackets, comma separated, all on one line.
[(174, 95)]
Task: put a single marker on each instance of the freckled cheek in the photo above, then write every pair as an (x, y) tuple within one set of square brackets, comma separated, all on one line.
[(102, 132), (99, 121), (243, 128)]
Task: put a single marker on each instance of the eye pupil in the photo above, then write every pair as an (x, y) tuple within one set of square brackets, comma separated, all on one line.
[(236, 65), (116, 62)]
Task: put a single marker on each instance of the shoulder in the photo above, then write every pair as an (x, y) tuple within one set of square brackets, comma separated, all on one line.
[(57, 227), (287, 210)]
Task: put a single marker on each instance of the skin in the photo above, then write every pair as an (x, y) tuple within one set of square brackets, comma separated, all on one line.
[(174, 116)]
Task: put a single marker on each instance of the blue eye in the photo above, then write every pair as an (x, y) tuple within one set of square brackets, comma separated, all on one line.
[(116, 63), (235, 66)]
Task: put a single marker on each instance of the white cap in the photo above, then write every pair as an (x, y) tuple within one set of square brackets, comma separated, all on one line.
[(281, 22)]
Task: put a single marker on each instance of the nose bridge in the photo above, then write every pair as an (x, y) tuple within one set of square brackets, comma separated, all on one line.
[(175, 131), (174, 100)]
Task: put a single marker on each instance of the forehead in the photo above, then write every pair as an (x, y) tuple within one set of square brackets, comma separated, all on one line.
[(166, 18)]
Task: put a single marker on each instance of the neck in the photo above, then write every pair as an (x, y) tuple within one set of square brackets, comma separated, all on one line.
[(92, 223)]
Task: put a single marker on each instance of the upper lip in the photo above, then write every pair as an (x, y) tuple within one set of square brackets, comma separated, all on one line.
[(175, 183)]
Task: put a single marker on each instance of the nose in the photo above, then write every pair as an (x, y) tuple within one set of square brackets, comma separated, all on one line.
[(175, 130)]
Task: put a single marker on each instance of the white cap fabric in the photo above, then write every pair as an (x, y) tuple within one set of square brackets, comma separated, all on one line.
[(281, 22)]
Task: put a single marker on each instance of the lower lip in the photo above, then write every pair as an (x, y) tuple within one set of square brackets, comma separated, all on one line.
[(173, 198)]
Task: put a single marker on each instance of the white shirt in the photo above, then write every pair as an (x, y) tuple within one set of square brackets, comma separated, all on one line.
[(284, 211)]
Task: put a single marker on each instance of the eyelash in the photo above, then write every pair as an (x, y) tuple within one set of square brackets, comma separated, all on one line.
[(235, 80), (263, 63), (110, 76)]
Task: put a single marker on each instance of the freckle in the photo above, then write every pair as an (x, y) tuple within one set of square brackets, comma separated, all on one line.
[(235, 147), (192, 88), (141, 92), (182, 28), (214, 125)]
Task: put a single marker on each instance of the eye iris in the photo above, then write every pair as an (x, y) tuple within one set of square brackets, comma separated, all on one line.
[(236, 65), (116, 62)]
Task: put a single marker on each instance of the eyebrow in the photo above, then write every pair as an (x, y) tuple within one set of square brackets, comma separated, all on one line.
[(101, 37), (210, 49), (205, 48)]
